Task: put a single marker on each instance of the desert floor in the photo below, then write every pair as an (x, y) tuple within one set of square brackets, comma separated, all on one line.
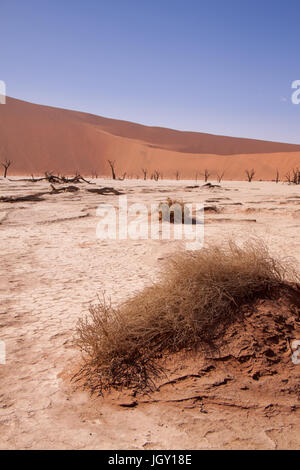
[(52, 268)]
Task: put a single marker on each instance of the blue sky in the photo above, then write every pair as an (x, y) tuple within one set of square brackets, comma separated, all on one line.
[(217, 66)]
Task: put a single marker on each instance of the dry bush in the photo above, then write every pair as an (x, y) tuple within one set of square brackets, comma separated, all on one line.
[(198, 296), (173, 211)]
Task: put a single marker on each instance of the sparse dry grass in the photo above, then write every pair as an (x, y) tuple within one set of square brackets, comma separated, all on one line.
[(199, 294)]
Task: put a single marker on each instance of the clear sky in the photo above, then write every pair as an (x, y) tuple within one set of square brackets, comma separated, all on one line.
[(218, 66)]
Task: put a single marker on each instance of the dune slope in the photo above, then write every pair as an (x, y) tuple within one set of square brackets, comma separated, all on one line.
[(42, 138)]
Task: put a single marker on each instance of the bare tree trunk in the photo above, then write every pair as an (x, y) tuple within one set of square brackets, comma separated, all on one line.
[(220, 176), (6, 164), (145, 171), (155, 175), (250, 174), (296, 176), (206, 175), (112, 167)]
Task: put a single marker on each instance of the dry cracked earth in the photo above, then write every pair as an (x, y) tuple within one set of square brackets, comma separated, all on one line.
[(53, 267)]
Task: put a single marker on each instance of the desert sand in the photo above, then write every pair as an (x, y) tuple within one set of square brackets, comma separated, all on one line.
[(41, 138), (53, 267)]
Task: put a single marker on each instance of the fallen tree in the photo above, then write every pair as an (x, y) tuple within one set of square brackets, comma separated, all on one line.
[(57, 179), (64, 189), (30, 197), (36, 197), (105, 190), (63, 179)]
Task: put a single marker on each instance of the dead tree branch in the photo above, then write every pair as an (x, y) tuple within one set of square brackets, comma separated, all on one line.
[(6, 164), (145, 172), (112, 164), (250, 174), (220, 176)]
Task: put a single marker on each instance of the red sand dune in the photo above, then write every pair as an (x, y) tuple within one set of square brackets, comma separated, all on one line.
[(42, 138)]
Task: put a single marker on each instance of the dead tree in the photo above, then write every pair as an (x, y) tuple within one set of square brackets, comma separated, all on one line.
[(30, 197), (206, 175), (155, 175), (220, 176), (296, 176), (51, 178), (105, 190), (177, 175), (6, 164), (112, 164), (277, 176), (64, 189), (121, 178), (250, 174), (145, 172), (293, 177)]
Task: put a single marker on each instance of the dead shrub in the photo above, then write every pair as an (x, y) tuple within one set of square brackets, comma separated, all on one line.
[(173, 211), (198, 296)]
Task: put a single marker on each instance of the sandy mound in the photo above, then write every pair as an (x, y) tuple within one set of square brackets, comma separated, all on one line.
[(242, 394), (250, 366)]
